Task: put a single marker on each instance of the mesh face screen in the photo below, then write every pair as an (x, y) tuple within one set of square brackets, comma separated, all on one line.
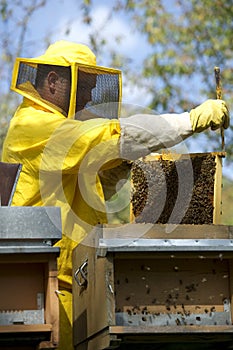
[(26, 73), (34, 81), (97, 92)]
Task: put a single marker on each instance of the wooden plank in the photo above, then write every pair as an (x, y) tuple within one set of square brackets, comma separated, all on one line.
[(102, 341), (178, 156), (44, 345), (231, 286), (94, 302), (51, 299), (26, 328), (27, 258), (100, 312), (173, 334), (170, 329), (19, 347), (80, 295), (161, 231), (218, 191)]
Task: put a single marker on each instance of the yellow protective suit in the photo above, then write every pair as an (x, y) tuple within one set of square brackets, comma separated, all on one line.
[(61, 158)]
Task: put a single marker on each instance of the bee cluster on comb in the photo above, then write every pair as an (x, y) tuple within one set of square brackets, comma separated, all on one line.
[(176, 191)]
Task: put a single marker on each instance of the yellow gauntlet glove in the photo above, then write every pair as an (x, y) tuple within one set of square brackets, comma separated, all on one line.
[(211, 113)]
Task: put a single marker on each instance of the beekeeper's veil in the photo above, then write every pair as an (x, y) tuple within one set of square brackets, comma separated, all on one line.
[(91, 86)]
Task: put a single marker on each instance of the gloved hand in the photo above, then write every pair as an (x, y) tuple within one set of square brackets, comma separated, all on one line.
[(211, 113)]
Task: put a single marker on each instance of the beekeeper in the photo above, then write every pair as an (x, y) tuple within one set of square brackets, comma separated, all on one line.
[(64, 141)]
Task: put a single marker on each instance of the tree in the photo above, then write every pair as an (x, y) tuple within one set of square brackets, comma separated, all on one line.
[(187, 40)]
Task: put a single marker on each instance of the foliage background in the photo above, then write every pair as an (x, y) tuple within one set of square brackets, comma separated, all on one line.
[(170, 67)]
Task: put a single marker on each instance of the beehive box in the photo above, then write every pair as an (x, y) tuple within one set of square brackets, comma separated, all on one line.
[(177, 189), (139, 285), (29, 306)]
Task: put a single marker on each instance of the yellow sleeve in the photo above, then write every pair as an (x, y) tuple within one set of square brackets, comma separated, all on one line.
[(63, 143)]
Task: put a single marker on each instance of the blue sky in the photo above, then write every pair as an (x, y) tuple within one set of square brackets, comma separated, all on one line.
[(53, 20), (55, 17)]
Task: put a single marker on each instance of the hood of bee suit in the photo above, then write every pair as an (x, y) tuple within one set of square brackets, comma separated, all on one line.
[(65, 52), (61, 53), (82, 62)]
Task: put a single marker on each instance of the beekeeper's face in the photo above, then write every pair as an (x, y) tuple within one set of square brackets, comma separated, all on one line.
[(54, 85)]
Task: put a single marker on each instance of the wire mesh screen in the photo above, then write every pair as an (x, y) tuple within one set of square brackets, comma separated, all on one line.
[(26, 73), (37, 83), (97, 91), (102, 89)]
